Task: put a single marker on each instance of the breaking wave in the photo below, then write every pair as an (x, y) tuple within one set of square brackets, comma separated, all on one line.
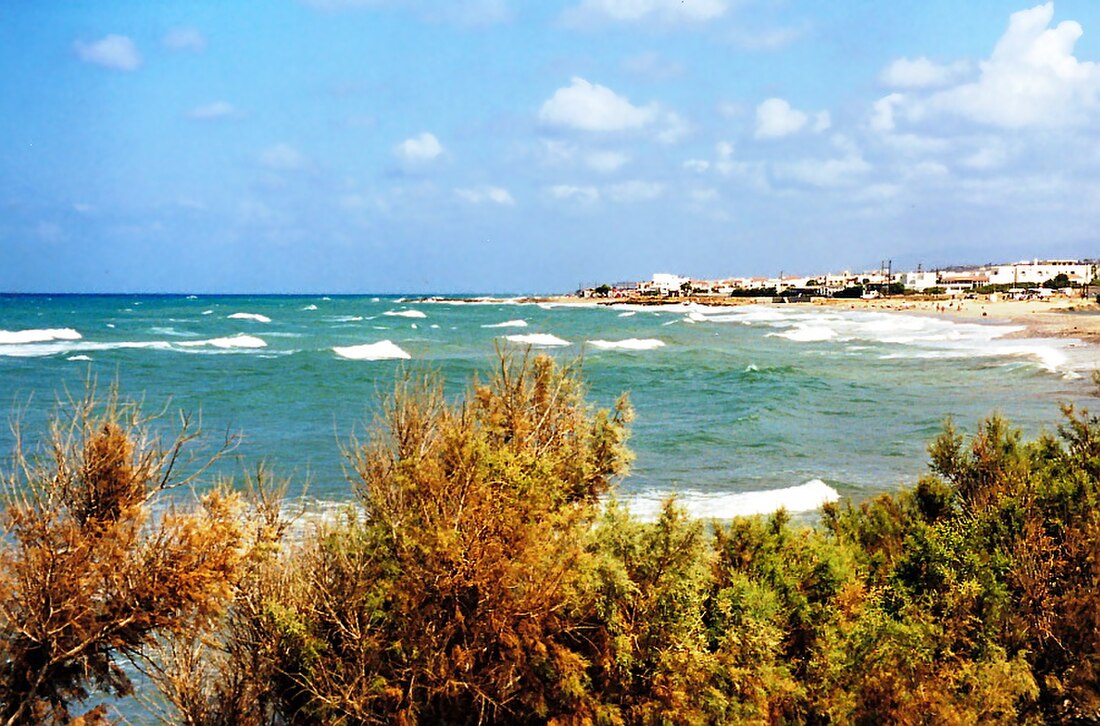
[(45, 335), (805, 497), (508, 324), (249, 316), (538, 339), (628, 344), (383, 350)]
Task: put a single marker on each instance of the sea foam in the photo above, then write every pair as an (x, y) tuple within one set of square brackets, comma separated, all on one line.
[(508, 324), (250, 316), (805, 497), (44, 335), (234, 341), (628, 344), (538, 339), (383, 350), (406, 313)]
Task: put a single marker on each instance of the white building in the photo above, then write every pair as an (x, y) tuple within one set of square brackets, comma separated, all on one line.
[(668, 284), (1036, 272), (919, 281)]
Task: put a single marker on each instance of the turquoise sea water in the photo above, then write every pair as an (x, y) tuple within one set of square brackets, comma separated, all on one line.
[(753, 399)]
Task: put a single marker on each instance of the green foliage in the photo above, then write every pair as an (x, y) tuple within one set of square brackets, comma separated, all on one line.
[(486, 574)]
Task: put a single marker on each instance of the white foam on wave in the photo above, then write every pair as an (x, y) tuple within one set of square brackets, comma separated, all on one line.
[(310, 307), (62, 347), (78, 357), (508, 324), (538, 339), (192, 297), (234, 341), (628, 344), (405, 313), (803, 333), (628, 314), (250, 316), (805, 497), (382, 350), (207, 312), (40, 335)]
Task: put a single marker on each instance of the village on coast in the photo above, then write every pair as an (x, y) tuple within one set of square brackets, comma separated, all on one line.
[(1024, 280)]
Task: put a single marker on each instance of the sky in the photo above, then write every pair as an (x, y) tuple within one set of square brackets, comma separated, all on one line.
[(386, 146)]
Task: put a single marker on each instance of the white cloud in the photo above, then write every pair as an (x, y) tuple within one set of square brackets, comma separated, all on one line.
[(775, 118), (113, 51), (187, 39), (479, 195), (882, 112), (699, 166), (282, 157), (591, 107), (419, 149), (673, 128), (212, 111), (921, 73), (823, 121), (1032, 79), (824, 172), (635, 191), (582, 194), (590, 12), (606, 162), (991, 154)]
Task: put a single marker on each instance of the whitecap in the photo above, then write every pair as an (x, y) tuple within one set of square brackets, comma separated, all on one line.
[(538, 339), (802, 333), (628, 314), (207, 312), (406, 313), (383, 350), (434, 326), (78, 357), (628, 344), (250, 316), (192, 297), (413, 326), (805, 497), (508, 324), (42, 335), (234, 341), (310, 307)]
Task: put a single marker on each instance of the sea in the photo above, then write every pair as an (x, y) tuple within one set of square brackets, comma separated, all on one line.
[(739, 410)]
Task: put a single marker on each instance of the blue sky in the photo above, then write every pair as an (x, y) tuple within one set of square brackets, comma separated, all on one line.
[(500, 145)]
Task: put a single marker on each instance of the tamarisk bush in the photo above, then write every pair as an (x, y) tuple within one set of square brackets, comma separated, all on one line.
[(89, 577)]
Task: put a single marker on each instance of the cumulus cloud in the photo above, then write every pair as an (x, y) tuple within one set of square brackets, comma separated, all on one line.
[(882, 112), (605, 162), (768, 40), (486, 194), (282, 157), (1032, 79), (775, 118), (213, 111), (113, 51), (635, 191), (593, 12), (184, 39), (419, 149), (921, 73), (592, 107), (569, 192)]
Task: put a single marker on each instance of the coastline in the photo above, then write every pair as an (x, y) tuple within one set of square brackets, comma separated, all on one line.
[(1076, 318)]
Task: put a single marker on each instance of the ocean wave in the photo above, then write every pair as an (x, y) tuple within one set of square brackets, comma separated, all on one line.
[(628, 314), (207, 312), (508, 324), (383, 350), (234, 341), (538, 339), (805, 497), (38, 335), (405, 313), (65, 347), (250, 316), (628, 344), (802, 333), (310, 307), (78, 358)]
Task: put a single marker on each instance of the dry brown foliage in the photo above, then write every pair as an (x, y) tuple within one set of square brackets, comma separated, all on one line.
[(89, 575)]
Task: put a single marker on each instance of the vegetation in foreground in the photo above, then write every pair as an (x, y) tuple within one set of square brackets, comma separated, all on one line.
[(484, 577)]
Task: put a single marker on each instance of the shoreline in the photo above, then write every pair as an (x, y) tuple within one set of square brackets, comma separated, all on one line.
[(1076, 318)]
